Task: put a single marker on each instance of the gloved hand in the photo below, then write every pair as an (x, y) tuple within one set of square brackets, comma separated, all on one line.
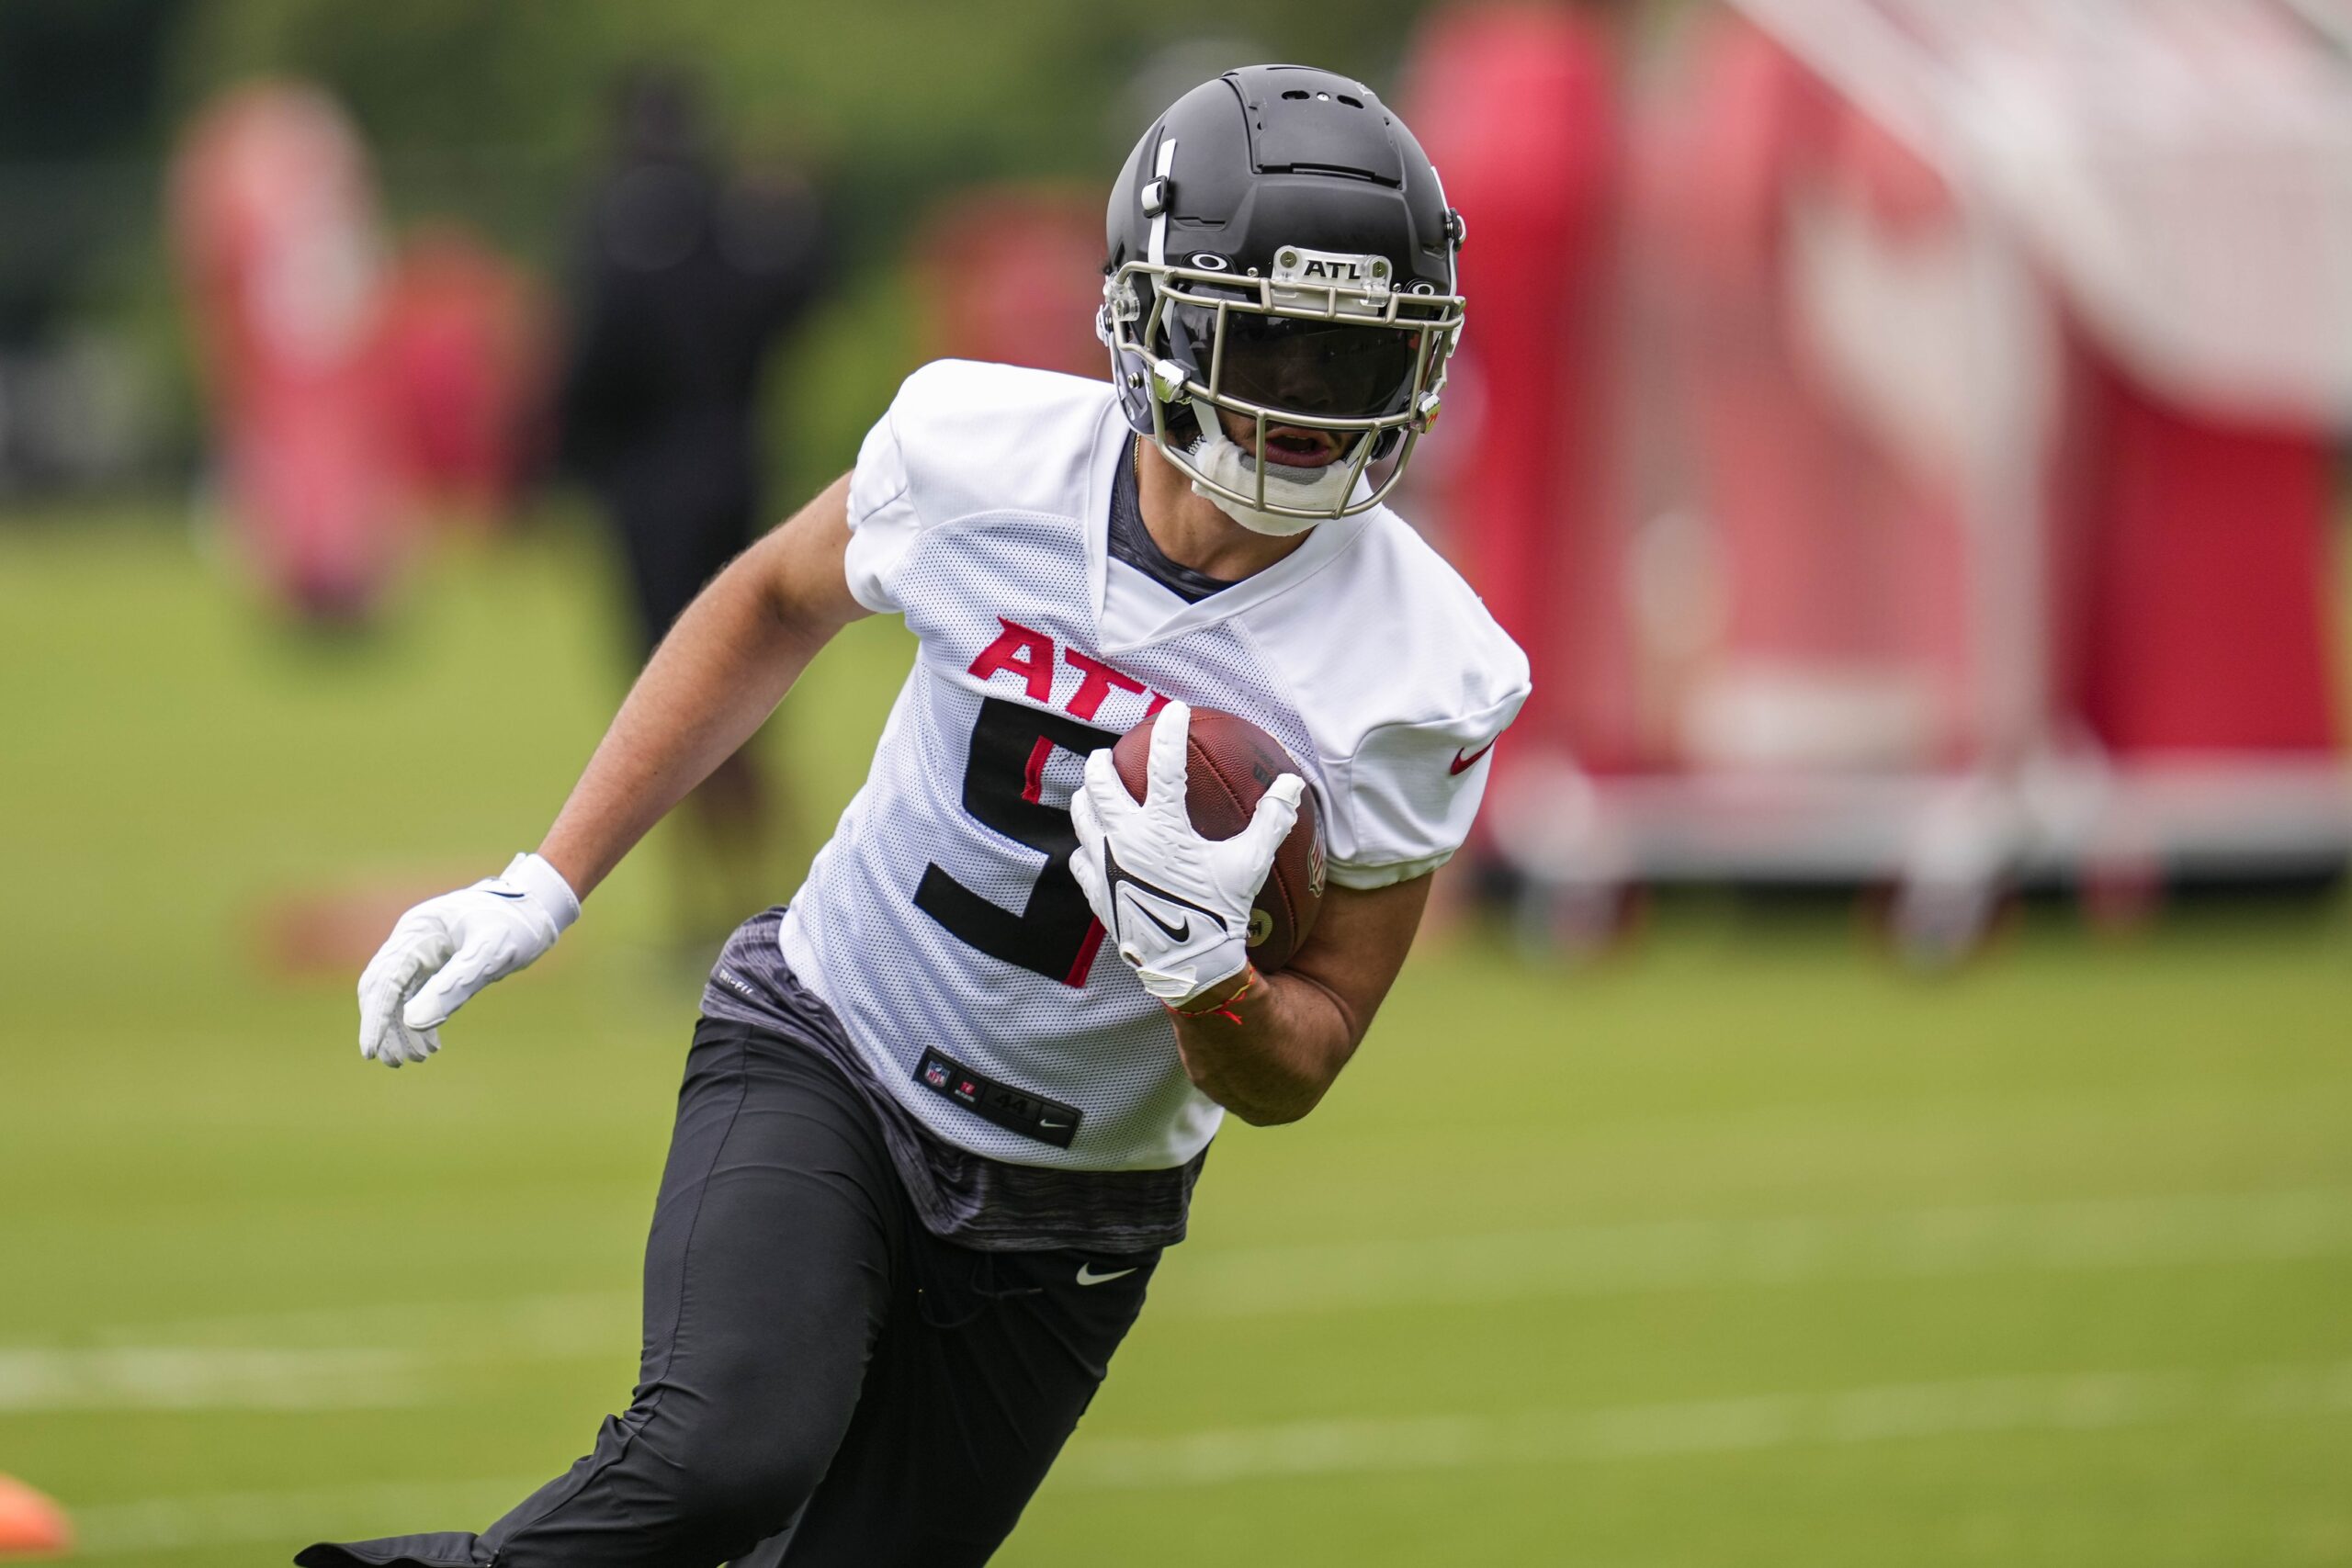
[(1177, 905), (445, 949)]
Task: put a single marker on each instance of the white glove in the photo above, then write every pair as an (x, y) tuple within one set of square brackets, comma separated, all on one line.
[(447, 949), (1177, 905)]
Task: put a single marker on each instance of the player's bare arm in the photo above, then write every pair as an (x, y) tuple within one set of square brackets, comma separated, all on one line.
[(714, 681), (731, 659), (1267, 1047)]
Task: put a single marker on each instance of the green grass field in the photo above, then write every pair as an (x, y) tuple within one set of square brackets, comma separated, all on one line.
[(1741, 1248)]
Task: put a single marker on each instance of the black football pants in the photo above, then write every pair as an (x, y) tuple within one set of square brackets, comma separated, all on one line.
[(824, 1382)]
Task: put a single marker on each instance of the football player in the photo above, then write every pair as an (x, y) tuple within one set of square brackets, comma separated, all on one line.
[(937, 1126)]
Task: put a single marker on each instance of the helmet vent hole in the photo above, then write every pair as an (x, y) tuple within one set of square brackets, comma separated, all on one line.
[(1351, 103), (1297, 94)]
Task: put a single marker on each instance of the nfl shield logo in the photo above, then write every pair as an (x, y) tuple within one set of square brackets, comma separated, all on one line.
[(934, 1075)]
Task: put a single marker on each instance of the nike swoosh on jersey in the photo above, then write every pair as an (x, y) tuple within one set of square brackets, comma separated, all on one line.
[(1462, 763), (1086, 1275)]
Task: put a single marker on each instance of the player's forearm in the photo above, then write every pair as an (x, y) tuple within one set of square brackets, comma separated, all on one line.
[(1266, 1046), (716, 677), (1267, 1050)]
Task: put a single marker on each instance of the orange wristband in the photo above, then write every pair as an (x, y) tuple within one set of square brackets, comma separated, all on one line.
[(1223, 1010)]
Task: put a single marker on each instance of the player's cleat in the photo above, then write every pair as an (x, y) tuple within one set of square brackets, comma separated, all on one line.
[(31, 1524)]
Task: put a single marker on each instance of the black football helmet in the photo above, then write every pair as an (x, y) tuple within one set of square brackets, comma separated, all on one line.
[(1280, 249)]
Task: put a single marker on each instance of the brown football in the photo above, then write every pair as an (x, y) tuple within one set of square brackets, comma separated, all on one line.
[(1230, 763)]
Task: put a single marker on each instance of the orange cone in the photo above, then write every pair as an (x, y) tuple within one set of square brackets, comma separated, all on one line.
[(30, 1525)]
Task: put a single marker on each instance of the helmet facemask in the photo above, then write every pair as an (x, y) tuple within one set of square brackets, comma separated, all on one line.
[(1323, 344)]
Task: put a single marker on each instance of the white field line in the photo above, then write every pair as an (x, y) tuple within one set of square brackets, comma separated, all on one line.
[(1699, 1254), (2087, 1402), (130, 1378), (292, 1519), (585, 1323), (297, 1361), (2084, 1402)]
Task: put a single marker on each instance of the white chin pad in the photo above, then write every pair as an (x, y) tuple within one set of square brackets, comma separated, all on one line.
[(1321, 489)]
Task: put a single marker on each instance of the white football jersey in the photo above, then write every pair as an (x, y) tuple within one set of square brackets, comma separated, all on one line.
[(942, 922)]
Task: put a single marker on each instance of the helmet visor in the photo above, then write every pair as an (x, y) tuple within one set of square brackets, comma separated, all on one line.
[(1320, 368)]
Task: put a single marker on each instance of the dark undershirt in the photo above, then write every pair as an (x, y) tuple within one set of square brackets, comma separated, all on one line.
[(1132, 542)]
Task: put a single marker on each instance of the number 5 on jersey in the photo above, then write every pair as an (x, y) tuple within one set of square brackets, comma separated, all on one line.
[(1057, 936)]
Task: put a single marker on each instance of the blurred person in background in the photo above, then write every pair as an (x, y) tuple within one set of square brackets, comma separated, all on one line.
[(685, 277), (281, 256)]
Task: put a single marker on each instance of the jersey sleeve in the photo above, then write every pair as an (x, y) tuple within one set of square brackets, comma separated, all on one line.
[(1406, 799), (962, 439), (883, 520)]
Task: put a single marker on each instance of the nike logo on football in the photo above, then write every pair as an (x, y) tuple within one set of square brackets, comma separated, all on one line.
[(1087, 1276), (1461, 762)]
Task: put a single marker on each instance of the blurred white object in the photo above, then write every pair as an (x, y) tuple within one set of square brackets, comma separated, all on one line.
[(1775, 718), (2183, 167)]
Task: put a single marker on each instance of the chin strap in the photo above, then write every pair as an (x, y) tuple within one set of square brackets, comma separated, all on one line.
[(1221, 460)]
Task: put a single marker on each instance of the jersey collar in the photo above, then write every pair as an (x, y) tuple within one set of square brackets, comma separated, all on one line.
[(1326, 542)]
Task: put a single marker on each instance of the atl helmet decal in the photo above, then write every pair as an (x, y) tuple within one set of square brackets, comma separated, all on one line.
[(1320, 270)]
